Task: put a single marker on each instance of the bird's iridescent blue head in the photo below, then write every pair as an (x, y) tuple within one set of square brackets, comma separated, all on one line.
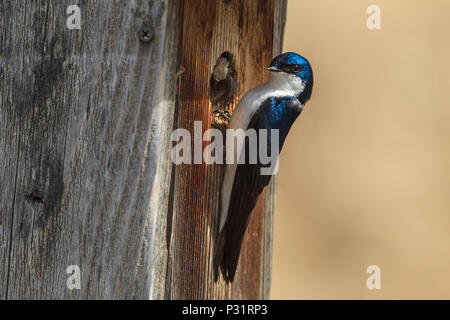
[(295, 67)]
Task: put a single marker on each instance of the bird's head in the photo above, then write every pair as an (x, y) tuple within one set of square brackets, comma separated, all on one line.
[(294, 70)]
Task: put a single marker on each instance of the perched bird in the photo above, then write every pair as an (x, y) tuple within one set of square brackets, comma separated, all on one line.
[(275, 104)]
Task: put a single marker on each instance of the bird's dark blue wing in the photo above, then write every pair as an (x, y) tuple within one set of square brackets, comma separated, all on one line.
[(274, 113)]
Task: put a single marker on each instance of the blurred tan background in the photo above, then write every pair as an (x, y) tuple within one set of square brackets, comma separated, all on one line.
[(365, 173)]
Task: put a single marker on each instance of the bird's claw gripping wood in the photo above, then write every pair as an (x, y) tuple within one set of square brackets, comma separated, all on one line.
[(224, 114), (216, 125)]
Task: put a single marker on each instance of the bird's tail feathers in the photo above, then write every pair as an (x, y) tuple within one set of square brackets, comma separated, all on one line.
[(219, 253)]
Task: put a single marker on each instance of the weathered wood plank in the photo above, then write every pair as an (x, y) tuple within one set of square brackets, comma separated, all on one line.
[(251, 31), (85, 122), (269, 206)]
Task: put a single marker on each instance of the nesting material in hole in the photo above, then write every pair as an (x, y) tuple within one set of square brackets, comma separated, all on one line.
[(223, 88)]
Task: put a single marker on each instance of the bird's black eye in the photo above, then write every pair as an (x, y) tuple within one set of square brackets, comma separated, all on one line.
[(296, 68)]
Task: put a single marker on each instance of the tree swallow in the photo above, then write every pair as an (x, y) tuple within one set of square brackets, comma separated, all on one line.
[(275, 104)]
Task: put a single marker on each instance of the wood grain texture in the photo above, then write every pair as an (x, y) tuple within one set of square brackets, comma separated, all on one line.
[(85, 123), (85, 138), (269, 205), (251, 30)]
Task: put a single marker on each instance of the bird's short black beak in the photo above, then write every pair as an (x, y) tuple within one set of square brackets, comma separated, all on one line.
[(273, 69)]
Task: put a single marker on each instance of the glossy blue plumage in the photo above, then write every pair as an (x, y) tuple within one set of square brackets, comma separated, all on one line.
[(278, 113), (292, 58), (286, 63)]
